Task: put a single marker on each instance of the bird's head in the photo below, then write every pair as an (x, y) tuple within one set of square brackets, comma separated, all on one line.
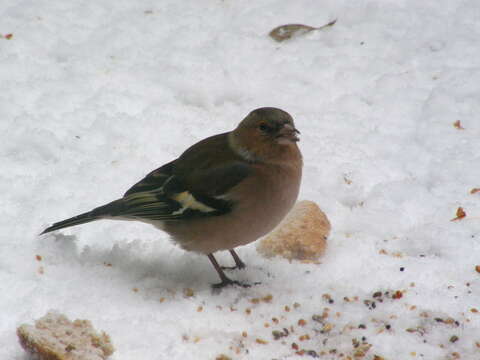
[(265, 134)]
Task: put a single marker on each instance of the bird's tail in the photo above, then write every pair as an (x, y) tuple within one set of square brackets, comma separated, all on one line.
[(96, 214), (76, 220)]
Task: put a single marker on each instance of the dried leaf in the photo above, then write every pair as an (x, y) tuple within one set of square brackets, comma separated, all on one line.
[(460, 214), (474, 190), (8, 36), (285, 32), (458, 125)]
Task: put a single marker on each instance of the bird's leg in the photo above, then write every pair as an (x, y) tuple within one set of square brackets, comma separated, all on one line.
[(225, 280), (239, 264)]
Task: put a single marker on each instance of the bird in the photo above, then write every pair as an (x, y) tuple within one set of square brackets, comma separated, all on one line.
[(224, 191)]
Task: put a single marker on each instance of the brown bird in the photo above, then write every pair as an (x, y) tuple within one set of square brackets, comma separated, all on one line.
[(224, 191)]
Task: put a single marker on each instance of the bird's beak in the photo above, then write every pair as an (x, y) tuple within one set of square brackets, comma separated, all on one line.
[(288, 132)]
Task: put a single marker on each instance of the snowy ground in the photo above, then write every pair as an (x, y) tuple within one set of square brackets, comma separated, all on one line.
[(93, 95)]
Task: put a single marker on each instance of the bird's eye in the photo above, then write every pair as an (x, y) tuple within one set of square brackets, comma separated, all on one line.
[(264, 127)]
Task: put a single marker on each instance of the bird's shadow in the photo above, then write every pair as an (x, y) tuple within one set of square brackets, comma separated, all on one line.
[(155, 264)]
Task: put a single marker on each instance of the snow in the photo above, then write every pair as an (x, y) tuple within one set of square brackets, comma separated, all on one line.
[(94, 95)]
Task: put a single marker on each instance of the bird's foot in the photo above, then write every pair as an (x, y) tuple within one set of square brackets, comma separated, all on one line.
[(219, 286), (228, 282)]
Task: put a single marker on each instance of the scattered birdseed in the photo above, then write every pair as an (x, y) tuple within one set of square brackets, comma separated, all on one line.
[(328, 298), (397, 295), (279, 334), (223, 357), (450, 321), (326, 328), (187, 292), (458, 125), (370, 304), (268, 298), (454, 338)]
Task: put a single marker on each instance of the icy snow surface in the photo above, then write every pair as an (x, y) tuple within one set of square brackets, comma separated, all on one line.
[(93, 95)]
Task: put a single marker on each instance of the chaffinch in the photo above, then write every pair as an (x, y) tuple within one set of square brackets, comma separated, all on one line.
[(224, 191)]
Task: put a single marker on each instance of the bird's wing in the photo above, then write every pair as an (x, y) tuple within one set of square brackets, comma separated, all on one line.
[(191, 186), (173, 200), (153, 180)]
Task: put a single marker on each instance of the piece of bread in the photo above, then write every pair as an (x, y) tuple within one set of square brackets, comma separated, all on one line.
[(301, 235), (55, 337)]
